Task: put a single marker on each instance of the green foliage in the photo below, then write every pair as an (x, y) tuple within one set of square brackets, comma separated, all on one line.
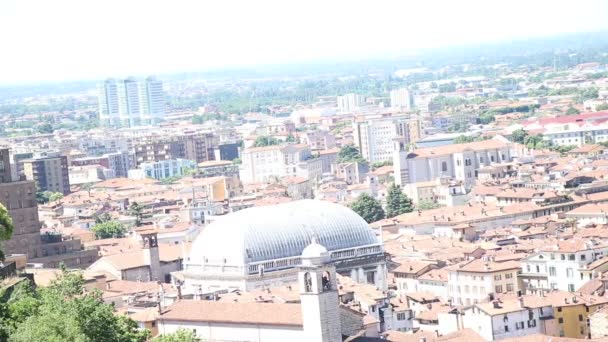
[(6, 227), (237, 161), (572, 111), (265, 141), (427, 205), (63, 312), (170, 180), (109, 229), (291, 139), (368, 208), (43, 197), (45, 128), (350, 153), (463, 139), (103, 217), (381, 164), (535, 142), (201, 119), (181, 335), (603, 106), (137, 210), (397, 202), (519, 135)]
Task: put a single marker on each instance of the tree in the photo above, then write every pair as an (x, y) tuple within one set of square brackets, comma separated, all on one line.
[(426, 205), (237, 161), (350, 153), (103, 217), (572, 111), (519, 135), (6, 227), (45, 128), (291, 138), (603, 106), (64, 312), (181, 335), (462, 139), (368, 208), (265, 141), (55, 196), (137, 210), (397, 202), (109, 229)]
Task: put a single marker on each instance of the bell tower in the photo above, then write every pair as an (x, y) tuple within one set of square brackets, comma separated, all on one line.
[(319, 295), (151, 255)]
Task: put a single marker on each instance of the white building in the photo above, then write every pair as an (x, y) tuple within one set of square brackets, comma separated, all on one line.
[(508, 318), (478, 280), (262, 164), (401, 98), (375, 137), (261, 246), (129, 102), (564, 265), (162, 169), (459, 161), (318, 318), (349, 103)]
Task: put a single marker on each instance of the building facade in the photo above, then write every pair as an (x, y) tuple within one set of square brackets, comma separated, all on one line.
[(131, 102), (49, 173), (262, 164), (375, 137)]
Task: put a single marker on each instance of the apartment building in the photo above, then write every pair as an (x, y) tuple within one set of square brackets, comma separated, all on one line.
[(349, 103), (131, 102), (119, 162), (478, 280), (570, 130), (460, 161), (162, 169), (562, 265), (401, 98), (49, 173), (508, 318), (262, 164), (192, 146), (375, 137)]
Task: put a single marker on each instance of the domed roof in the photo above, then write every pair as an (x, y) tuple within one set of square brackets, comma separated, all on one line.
[(279, 231)]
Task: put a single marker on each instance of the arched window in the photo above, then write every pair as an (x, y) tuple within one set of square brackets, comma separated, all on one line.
[(326, 281), (307, 282), (444, 166)]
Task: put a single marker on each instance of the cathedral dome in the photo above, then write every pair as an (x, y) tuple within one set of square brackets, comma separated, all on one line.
[(280, 231)]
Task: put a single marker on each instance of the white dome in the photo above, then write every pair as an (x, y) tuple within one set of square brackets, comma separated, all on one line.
[(279, 231), (314, 250)]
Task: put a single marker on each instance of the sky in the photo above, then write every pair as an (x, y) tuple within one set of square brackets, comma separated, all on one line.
[(63, 40)]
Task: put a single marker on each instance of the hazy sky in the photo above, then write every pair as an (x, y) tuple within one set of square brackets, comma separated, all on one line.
[(45, 40)]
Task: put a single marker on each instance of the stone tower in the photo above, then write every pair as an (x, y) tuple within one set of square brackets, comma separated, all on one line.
[(319, 295), (151, 255)]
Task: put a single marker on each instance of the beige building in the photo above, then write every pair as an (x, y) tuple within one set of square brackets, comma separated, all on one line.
[(263, 164), (478, 280), (49, 173)]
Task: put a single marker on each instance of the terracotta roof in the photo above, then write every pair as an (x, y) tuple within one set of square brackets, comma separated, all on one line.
[(410, 266), (462, 335), (590, 209), (235, 313), (481, 266), (457, 148)]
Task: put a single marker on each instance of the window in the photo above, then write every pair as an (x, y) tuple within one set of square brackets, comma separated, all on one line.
[(508, 275), (552, 271), (583, 257), (569, 272), (560, 320), (498, 289), (519, 325), (444, 166), (401, 316), (559, 309), (572, 257), (506, 328), (497, 277), (509, 287), (563, 256), (580, 318), (531, 323), (571, 287)]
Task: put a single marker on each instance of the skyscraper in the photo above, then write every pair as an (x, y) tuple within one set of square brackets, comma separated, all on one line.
[(401, 98), (130, 102), (349, 102)]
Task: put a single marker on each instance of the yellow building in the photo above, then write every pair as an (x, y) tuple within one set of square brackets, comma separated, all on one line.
[(572, 311)]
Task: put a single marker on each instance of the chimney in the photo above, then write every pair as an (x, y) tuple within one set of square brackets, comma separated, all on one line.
[(496, 304), (574, 300), (422, 339), (566, 301), (521, 301), (179, 292)]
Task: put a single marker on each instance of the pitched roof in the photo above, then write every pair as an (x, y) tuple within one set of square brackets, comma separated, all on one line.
[(457, 148), (236, 313)]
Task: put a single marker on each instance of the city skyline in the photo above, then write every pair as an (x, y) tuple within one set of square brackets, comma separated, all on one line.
[(193, 36)]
